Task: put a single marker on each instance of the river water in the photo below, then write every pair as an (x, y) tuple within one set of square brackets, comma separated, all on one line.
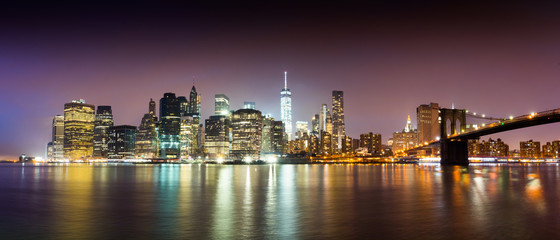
[(192, 201)]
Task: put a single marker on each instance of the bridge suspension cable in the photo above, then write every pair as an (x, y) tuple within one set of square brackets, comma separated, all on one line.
[(474, 115)]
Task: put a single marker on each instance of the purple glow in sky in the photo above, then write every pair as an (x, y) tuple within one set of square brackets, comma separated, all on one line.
[(500, 59)]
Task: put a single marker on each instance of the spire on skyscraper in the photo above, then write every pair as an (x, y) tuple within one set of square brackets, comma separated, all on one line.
[(408, 126), (285, 79)]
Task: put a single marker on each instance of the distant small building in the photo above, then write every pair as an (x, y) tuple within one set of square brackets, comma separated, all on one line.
[(405, 139), (530, 149), (490, 148), (372, 142), (547, 150)]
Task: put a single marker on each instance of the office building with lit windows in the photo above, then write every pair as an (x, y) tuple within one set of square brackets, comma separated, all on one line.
[(371, 142), (530, 149), (246, 126), (339, 128), (189, 137), (405, 139), (122, 140), (221, 105), (302, 127), (217, 136), (169, 126), (427, 121), (58, 138), (286, 108), (326, 144), (79, 119), (194, 104), (323, 118), (146, 137), (103, 121), (315, 125)]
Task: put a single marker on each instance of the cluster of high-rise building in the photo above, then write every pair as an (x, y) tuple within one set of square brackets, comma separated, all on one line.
[(533, 149), (327, 136), (177, 132), (490, 148)]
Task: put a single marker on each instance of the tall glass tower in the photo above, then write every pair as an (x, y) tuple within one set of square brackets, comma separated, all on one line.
[(286, 107), (339, 130), (103, 121)]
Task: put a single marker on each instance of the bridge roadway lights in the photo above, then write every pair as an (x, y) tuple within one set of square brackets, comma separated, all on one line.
[(455, 152)]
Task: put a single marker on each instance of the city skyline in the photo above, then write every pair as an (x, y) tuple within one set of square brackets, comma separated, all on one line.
[(501, 62)]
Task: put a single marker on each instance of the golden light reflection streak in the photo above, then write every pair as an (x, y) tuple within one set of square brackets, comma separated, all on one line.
[(223, 224), (75, 201), (534, 193)]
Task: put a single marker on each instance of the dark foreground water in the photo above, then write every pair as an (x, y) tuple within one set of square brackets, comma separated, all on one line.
[(80, 201)]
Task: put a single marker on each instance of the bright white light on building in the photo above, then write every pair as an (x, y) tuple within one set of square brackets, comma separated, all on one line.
[(286, 108), (271, 159)]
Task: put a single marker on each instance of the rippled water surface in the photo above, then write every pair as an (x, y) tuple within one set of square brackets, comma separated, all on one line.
[(80, 201)]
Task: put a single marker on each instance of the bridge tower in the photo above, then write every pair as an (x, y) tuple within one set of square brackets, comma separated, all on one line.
[(453, 151)]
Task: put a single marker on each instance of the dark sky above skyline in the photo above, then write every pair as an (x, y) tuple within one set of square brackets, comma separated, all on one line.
[(388, 57)]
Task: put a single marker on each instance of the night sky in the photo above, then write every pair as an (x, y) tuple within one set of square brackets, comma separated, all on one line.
[(500, 59)]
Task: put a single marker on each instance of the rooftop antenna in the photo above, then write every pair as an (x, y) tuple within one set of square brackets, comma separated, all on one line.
[(285, 79)]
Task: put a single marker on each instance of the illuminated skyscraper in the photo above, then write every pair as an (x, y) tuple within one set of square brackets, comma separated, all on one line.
[(58, 138), (152, 108), (329, 125), (323, 118), (249, 105), (272, 136), (267, 134), (217, 136), (103, 121), (339, 129), (326, 143), (246, 125), (79, 120), (221, 105), (194, 104), (183, 106), (302, 127), (121, 141), (146, 137), (427, 122), (315, 125), (189, 137), (286, 107), (406, 139), (169, 126)]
